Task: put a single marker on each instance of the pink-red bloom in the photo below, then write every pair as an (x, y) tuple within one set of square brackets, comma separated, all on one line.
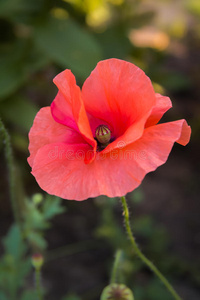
[(117, 99)]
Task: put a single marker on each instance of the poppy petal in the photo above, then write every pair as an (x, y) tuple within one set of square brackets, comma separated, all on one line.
[(152, 150), (60, 170), (126, 168), (184, 137), (112, 174), (68, 108), (163, 104), (62, 112), (46, 130), (122, 95)]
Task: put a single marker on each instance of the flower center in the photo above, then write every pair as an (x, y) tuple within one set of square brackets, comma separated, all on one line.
[(103, 135)]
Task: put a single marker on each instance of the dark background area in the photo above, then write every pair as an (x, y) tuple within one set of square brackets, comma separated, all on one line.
[(38, 40)]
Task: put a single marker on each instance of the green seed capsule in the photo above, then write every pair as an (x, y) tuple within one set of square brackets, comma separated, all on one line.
[(117, 292), (103, 134)]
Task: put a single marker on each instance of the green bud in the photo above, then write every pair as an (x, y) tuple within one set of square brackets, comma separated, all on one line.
[(37, 198), (103, 134), (116, 292), (37, 260)]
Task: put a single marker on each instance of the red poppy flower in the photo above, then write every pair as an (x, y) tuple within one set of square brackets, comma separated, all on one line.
[(104, 139)]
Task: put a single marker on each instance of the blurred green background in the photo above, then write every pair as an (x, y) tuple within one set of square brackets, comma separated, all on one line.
[(40, 38)]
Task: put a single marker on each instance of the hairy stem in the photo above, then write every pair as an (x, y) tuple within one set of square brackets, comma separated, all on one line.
[(116, 266), (11, 172), (141, 255), (38, 284)]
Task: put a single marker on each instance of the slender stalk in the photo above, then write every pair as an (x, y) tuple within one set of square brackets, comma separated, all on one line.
[(38, 283), (141, 255), (11, 172), (116, 266), (70, 250)]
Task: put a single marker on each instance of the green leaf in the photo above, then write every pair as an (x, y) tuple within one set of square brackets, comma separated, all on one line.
[(23, 270), (20, 10), (28, 295), (35, 219), (68, 45), (12, 74), (14, 267), (19, 111), (13, 243), (155, 290), (115, 42), (36, 60), (37, 240), (18, 61), (3, 296), (52, 206)]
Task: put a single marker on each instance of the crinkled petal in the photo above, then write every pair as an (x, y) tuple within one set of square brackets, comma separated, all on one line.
[(62, 112), (68, 108), (46, 130), (184, 130), (126, 168), (60, 169), (120, 94), (163, 104), (133, 133)]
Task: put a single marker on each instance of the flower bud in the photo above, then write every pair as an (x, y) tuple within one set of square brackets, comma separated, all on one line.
[(103, 134), (37, 198), (37, 260), (117, 292)]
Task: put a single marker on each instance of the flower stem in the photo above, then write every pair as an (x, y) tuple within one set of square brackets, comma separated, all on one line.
[(38, 283), (69, 250), (11, 172), (116, 266), (141, 255)]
